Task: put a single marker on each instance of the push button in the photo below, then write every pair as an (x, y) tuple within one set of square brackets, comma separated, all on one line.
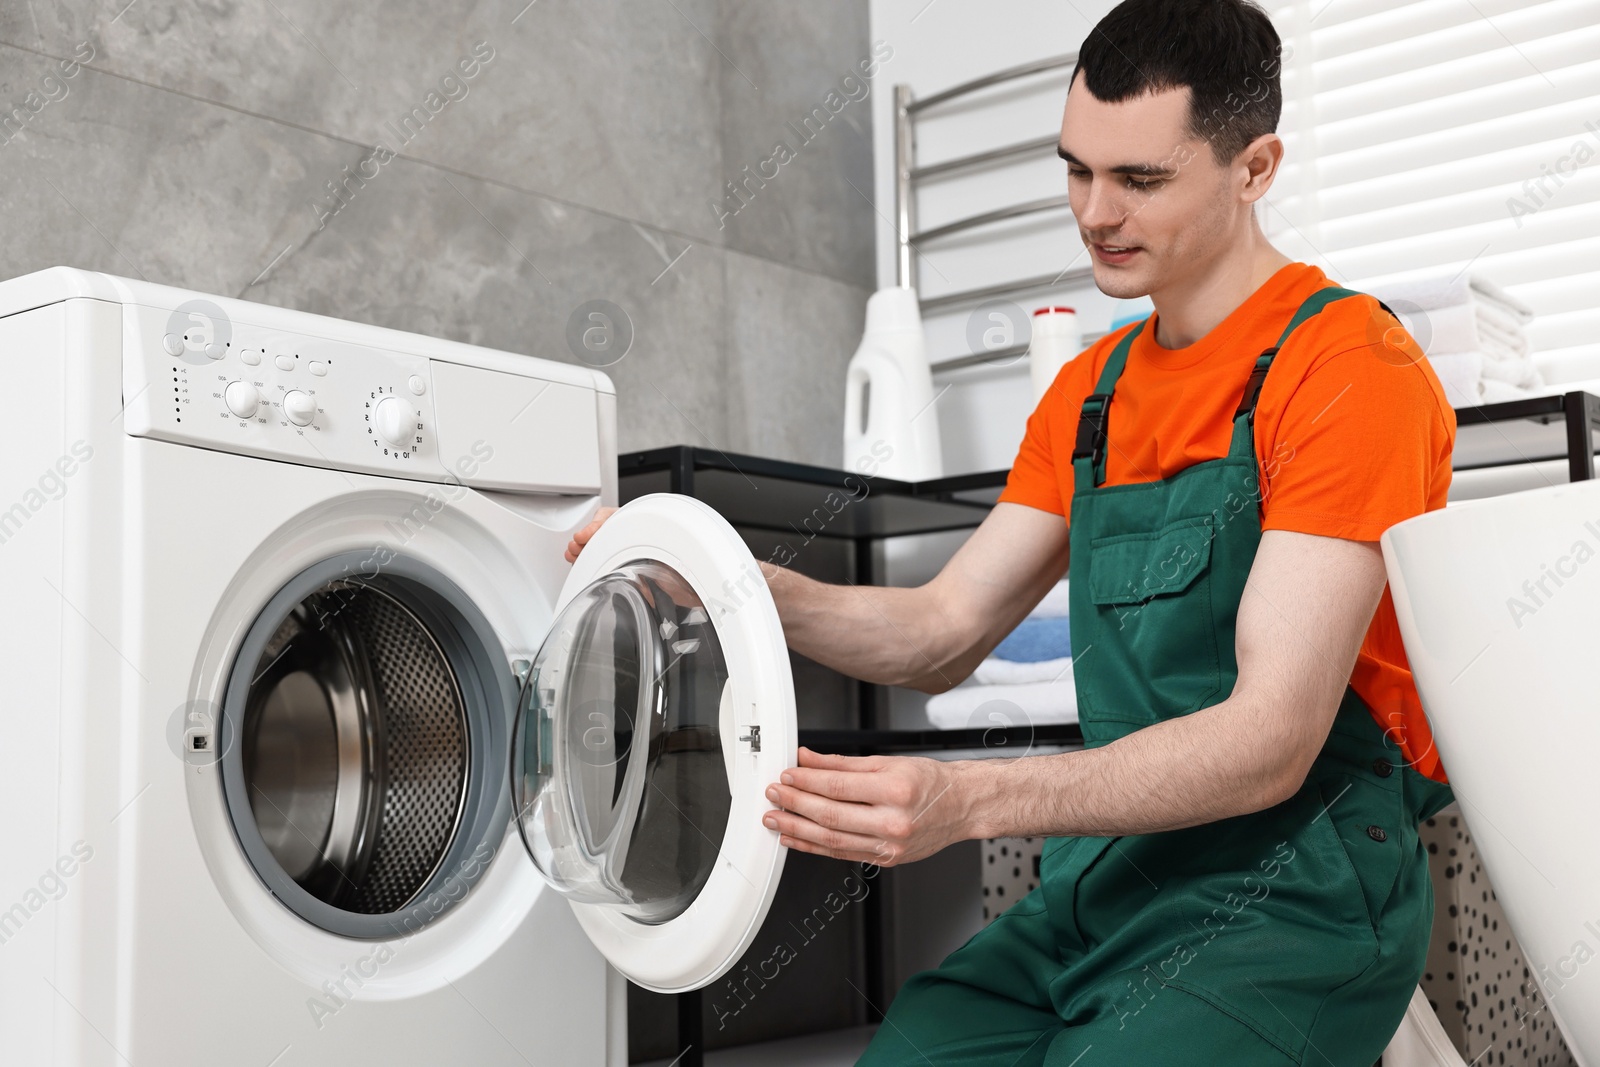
[(1376, 833), (1382, 768)]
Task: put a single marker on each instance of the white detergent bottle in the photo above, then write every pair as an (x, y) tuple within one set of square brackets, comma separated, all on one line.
[(891, 425), (1055, 340)]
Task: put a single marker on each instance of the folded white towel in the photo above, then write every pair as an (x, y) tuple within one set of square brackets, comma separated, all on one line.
[(1568, 365), (1473, 378), (985, 706), (1500, 327), (1473, 332), (1468, 328), (1448, 288), (1491, 294), (1500, 367), (1461, 374), (994, 671), (1495, 392)]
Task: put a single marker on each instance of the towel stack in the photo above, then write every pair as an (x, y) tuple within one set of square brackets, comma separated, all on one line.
[(1474, 333), (1027, 680)]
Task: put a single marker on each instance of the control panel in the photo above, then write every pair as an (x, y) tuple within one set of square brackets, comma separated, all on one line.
[(197, 377)]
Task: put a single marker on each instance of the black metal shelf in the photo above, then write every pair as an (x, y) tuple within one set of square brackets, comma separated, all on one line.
[(759, 493), (1541, 428), (776, 495)]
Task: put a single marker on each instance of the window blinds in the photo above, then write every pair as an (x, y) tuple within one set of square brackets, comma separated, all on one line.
[(1446, 135)]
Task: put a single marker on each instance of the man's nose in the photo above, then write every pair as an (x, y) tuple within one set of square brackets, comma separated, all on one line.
[(1100, 209)]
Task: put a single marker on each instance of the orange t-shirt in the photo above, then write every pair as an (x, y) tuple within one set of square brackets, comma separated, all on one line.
[(1355, 417)]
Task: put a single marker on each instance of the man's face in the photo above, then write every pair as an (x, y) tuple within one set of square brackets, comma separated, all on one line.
[(1137, 179)]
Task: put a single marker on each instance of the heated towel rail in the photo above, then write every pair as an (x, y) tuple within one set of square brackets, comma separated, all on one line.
[(910, 175)]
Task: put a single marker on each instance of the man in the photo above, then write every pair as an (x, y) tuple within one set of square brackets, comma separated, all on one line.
[(1232, 872)]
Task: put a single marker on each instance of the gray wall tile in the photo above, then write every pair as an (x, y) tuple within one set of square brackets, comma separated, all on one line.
[(605, 103), (121, 177), (797, 143), (791, 334)]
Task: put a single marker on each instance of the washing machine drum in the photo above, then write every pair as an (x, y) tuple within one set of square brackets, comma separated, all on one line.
[(355, 714), (360, 750)]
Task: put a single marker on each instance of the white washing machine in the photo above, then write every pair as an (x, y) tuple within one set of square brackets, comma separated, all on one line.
[(1498, 600), (316, 751)]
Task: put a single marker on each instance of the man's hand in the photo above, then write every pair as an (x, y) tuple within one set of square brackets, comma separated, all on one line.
[(581, 538), (882, 810)]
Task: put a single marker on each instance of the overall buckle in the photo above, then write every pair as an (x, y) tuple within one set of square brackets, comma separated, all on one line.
[(1092, 427), (1252, 388)]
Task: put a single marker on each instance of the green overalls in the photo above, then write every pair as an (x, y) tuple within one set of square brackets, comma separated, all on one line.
[(1291, 935)]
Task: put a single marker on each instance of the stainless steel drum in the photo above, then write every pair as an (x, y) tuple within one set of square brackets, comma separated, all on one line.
[(351, 747)]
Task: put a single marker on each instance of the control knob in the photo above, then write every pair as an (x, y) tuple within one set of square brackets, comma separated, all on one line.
[(242, 399), (300, 407), (395, 420)]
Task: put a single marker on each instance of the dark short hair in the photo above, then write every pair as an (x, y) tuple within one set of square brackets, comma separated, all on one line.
[(1226, 51)]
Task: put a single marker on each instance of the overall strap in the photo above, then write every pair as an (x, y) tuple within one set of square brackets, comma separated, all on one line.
[(1244, 416), (1089, 450)]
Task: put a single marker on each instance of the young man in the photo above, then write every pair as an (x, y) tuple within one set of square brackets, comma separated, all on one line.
[(1232, 872)]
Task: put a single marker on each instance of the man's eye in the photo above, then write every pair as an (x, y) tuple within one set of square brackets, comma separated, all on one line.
[(1144, 186)]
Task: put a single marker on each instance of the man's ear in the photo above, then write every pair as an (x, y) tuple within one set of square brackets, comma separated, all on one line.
[(1260, 161)]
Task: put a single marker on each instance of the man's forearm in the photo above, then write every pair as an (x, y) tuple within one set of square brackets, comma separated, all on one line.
[(1222, 761), (882, 634)]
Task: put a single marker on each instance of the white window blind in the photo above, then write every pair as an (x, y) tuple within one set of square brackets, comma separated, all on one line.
[(1445, 135)]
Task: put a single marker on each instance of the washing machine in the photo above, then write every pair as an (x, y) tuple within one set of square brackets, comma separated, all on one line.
[(1498, 600), (316, 750)]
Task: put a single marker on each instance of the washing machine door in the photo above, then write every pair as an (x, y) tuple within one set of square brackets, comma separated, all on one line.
[(653, 718)]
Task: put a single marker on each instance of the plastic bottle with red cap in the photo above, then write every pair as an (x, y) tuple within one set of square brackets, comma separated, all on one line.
[(1054, 341)]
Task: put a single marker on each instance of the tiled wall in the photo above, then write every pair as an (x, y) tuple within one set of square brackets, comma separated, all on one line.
[(544, 155)]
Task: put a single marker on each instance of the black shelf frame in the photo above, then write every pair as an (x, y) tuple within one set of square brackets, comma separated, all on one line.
[(937, 505), (733, 484), (1577, 411)]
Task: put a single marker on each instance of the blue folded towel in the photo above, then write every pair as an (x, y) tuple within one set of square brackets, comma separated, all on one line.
[(1035, 640)]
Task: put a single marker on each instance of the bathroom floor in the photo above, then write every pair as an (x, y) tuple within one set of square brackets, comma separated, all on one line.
[(835, 1048)]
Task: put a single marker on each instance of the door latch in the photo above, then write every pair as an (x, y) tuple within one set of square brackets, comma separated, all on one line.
[(753, 738)]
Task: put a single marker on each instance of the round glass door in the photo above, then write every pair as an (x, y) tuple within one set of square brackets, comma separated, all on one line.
[(652, 719), (621, 791)]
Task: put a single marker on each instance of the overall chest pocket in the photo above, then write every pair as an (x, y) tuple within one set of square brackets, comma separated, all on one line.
[(1152, 627)]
